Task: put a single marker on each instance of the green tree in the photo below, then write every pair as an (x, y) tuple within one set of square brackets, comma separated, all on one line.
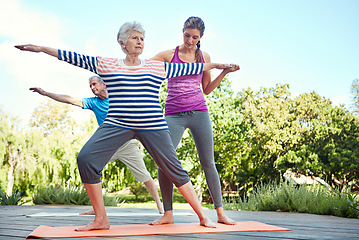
[(355, 92), (329, 144), (50, 150), (11, 147), (269, 130), (225, 113), (51, 115)]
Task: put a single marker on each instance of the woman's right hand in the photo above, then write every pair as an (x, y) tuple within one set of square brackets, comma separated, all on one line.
[(29, 47), (33, 48)]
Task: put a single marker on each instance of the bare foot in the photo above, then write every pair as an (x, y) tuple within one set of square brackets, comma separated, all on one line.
[(226, 220), (206, 222), (88, 212), (102, 224), (167, 218)]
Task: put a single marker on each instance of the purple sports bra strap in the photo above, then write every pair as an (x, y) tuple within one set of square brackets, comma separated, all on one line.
[(176, 59)]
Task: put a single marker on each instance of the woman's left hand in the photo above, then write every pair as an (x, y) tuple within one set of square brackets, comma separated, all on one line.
[(232, 68)]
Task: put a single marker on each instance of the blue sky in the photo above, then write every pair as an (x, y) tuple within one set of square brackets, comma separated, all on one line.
[(312, 45)]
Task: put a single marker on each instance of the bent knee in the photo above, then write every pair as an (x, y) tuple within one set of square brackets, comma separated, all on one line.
[(209, 166), (81, 159)]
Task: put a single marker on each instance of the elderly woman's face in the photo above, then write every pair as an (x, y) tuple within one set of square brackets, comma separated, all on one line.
[(135, 43)]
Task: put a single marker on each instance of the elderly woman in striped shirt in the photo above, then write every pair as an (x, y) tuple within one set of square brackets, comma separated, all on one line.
[(134, 112)]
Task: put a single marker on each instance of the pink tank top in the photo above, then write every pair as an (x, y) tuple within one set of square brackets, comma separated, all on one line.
[(185, 92)]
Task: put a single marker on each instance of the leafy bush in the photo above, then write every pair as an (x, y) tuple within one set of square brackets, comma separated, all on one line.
[(137, 189), (353, 203), (13, 199), (73, 195), (314, 199)]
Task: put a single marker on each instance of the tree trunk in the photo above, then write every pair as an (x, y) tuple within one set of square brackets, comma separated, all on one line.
[(10, 180), (10, 175)]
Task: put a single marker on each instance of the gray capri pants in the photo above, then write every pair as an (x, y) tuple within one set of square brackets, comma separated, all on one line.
[(99, 149), (131, 156), (199, 123)]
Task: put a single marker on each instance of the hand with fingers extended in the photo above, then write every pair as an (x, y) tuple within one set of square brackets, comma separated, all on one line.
[(29, 47), (36, 49), (38, 90), (231, 68)]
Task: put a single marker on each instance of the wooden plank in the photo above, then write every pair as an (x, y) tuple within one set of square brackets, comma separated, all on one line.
[(15, 225)]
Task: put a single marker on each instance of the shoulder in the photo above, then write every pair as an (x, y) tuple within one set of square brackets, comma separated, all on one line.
[(206, 57), (164, 56), (107, 60), (154, 65), (152, 61), (87, 99), (94, 99), (99, 102)]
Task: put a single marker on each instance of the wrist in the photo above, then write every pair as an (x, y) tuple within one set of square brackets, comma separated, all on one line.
[(39, 49), (225, 71)]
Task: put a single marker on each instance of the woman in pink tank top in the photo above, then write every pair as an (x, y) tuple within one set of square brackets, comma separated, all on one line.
[(186, 108)]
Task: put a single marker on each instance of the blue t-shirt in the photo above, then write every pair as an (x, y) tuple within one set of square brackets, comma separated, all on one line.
[(98, 106)]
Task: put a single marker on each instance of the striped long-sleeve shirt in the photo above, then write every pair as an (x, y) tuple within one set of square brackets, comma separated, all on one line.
[(133, 90)]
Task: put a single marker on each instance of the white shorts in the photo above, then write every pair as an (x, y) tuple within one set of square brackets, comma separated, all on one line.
[(130, 154)]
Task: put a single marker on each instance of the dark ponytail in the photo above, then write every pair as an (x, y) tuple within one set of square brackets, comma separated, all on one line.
[(198, 52)]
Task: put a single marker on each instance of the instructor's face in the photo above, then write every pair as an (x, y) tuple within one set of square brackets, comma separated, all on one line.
[(97, 87), (191, 37)]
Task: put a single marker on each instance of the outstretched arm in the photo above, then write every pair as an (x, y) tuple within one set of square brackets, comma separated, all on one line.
[(60, 97), (182, 69), (209, 66), (76, 59), (166, 56), (33, 48), (208, 86)]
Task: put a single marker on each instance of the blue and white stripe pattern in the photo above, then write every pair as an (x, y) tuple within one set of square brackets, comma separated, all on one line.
[(133, 90)]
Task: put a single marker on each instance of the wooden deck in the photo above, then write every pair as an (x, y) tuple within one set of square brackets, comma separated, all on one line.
[(16, 223)]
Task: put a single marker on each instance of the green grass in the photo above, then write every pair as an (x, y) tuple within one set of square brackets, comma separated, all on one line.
[(146, 197), (153, 205), (314, 199), (57, 194)]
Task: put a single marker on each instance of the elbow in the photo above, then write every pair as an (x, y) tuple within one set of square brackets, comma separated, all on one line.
[(206, 92)]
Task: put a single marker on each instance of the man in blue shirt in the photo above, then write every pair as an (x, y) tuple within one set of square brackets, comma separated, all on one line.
[(129, 153)]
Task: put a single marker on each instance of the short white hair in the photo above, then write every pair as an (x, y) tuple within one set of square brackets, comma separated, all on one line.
[(125, 32), (100, 80)]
